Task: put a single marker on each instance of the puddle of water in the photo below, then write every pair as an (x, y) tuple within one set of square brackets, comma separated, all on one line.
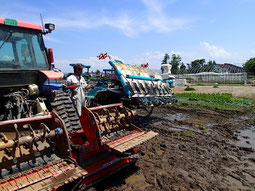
[(245, 117), (209, 125), (176, 129), (176, 117), (246, 138)]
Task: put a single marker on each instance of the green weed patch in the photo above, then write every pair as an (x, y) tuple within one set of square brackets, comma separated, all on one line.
[(226, 98), (189, 89)]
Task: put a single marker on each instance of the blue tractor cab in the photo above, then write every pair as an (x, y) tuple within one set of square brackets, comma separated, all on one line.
[(85, 74), (51, 85), (101, 83)]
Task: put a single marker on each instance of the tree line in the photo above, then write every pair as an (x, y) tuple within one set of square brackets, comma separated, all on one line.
[(196, 66)]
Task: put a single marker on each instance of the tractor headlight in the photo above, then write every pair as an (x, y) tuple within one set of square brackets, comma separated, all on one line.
[(50, 27)]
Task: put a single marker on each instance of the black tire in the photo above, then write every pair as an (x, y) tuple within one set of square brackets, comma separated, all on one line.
[(63, 105), (106, 97)]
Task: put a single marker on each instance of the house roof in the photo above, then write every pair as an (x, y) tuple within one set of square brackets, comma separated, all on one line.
[(230, 67)]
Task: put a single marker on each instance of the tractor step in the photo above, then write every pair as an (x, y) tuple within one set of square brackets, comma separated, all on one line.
[(48, 177), (130, 141)]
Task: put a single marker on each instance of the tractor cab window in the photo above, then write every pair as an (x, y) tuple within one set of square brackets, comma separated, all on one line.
[(6, 53), (21, 49), (24, 54), (39, 57)]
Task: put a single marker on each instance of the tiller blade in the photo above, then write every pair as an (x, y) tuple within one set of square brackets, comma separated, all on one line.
[(110, 126), (35, 154)]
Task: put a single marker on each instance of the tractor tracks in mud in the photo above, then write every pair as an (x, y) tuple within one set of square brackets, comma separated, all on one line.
[(166, 129), (195, 150)]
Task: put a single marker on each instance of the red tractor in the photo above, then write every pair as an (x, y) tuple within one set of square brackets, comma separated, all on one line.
[(43, 143)]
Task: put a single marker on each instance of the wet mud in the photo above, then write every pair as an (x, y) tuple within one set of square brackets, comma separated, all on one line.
[(198, 148)]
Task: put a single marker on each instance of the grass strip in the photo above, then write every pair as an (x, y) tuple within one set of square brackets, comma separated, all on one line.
[(221, 98)]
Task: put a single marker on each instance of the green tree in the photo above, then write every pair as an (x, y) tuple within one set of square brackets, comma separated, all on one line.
[(211, 63), (182, 68), (209, 67), (250, 66), (165, 59), (175, 62), (196, 65)]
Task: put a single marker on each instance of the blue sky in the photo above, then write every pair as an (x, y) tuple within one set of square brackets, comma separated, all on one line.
[(140, 31)]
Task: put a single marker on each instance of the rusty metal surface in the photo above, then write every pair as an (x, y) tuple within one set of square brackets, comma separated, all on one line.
[(47, 177), (33, 154), (112, 118)]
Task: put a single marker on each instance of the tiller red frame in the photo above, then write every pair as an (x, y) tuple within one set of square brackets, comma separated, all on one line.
[(111, 140), (34, 142)]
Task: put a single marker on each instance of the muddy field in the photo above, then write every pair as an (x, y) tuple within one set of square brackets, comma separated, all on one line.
[(198, 148)]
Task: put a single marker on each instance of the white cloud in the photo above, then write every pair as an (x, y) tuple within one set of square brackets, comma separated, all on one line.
[(157, 6), (153, 5), (215, 51), (163, 24), (152, 18), (47, 38), (123, 23), (154, 55), (253, 52), (157, 19), (94, 63), (64, 65), (153, 58)]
